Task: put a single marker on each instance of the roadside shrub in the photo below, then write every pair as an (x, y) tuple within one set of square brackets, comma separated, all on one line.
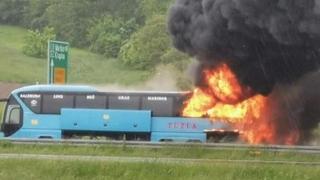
[(36, 42)]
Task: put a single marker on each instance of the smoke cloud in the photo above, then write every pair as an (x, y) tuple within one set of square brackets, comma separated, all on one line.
[(273, 46), (265, 42), (296, 108)]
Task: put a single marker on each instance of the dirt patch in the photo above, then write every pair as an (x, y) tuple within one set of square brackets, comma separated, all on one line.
[(6, 88)]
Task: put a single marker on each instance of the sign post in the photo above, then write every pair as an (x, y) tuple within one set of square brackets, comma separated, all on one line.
[(58, 57)]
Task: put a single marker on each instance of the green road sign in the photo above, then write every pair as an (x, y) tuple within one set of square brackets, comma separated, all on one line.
[(57, 62)]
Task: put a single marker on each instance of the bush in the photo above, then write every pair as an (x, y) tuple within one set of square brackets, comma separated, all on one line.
[(36, 42), (145, 47), (108, 34)]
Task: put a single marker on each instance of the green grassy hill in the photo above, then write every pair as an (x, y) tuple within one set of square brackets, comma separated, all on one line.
[(85, 67)]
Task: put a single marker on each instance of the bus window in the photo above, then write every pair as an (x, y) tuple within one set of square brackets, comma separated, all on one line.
[(52, 103), (91, 101), (123, 101), (13, 117), (32, 100), (158, 104)]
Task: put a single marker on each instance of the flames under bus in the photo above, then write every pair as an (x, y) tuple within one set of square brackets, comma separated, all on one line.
[(58, 111)]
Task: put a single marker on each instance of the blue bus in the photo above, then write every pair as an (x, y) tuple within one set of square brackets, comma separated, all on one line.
[(68, 111)]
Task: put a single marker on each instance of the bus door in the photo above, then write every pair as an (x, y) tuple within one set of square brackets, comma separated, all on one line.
[(12, 117)]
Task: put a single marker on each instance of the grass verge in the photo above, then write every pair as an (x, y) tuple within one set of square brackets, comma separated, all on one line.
[(52, 169), (84, 66), (188, 151), (76, 169)]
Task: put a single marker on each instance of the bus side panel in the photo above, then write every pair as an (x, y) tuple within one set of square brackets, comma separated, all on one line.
[(179, 129), (37, 133), (180, 125), (105, 120), (39, 126), (185, 129), (41, 121)]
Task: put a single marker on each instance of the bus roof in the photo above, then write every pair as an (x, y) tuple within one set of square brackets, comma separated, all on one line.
[(53, 88), (83, 88)]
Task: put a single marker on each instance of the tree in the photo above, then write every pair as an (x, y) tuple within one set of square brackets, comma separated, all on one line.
[(146, 46), (12, 11), (70, 19), (35, 17), (150, 8), (124, 9), (108, 34)]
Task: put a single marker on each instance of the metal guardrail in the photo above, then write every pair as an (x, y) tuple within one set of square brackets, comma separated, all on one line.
[(229, 146)]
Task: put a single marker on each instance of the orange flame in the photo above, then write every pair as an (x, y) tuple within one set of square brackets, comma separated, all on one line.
[(223, 84), (198, 104), (225, 99)]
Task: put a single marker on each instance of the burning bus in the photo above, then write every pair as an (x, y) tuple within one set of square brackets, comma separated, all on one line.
[(221, 110), (57, 112)]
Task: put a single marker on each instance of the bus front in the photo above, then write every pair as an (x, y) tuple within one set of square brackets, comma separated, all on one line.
[(11, 116)]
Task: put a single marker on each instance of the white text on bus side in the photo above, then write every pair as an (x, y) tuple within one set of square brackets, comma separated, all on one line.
[(57, 96)]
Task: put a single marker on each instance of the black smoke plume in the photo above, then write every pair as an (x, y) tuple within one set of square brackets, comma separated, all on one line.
[(271, 45), (296, 108), (265, 42)]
